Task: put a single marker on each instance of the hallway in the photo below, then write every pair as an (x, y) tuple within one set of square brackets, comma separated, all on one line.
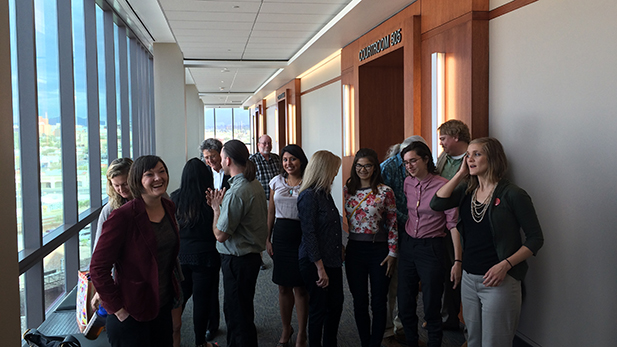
[(267, 318)]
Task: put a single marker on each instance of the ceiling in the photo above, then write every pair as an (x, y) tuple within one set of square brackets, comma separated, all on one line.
[(238, 52)]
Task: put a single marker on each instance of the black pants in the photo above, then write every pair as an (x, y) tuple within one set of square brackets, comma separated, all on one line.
[(239, 280), (202, 282), (362, 265), (421, 260), (325, 304), (131, 333), (451, 303)]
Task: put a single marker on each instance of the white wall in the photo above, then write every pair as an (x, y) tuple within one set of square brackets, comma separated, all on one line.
[(169, 108), (553, 104), (322, 119), (271, 122), (194, 121)]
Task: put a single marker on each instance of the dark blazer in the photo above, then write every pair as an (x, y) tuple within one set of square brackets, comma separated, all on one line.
[(225, 183), (128, 244)]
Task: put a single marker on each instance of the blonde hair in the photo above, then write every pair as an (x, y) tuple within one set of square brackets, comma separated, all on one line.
[(320, 171), (118, 167)]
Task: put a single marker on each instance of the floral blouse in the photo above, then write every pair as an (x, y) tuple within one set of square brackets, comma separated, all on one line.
[(373, 212)]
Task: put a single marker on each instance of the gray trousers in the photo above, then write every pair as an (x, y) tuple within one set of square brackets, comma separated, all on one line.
[(491, 313)]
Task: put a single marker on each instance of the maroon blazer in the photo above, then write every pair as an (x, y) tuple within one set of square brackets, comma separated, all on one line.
[(128, 244)]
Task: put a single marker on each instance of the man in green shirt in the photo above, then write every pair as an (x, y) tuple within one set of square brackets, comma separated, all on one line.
[(240, 227), (454, 138)]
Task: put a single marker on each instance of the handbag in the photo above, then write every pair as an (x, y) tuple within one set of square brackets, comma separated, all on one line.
[(85, 292), (35, 339)]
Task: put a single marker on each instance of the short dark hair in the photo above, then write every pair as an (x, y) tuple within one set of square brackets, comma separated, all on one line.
[(210, 144), (141, 165), (297, 152), (236, 150), (353, 182), (423, 152)]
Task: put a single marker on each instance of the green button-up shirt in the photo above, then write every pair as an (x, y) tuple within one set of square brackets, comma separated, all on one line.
[(243, 218)]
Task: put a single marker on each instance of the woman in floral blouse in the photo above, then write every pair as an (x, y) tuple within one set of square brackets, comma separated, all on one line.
[(370, 207)]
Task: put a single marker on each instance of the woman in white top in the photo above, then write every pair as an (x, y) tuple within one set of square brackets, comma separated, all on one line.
[(283, 241)]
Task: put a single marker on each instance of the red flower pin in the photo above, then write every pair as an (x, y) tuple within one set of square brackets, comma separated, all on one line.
[(497, 201)]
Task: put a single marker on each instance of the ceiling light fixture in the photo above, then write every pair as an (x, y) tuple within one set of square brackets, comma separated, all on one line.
[(325, 29)]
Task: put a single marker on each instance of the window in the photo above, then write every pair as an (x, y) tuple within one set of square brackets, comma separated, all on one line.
[(45, 140), (81, 105), (228, 123), (48, 88)]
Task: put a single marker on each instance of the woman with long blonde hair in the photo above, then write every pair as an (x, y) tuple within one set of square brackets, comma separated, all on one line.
[(321, 250)]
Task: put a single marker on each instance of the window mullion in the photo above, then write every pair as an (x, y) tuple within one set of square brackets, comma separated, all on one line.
[(135, 101), (124, 92), (30, 158), (92, 83)]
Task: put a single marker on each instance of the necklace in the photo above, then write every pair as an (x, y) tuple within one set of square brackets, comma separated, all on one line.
[(478, 209), (294, 187)]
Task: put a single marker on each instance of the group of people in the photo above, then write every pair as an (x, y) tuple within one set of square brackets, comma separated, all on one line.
[(412, 225)]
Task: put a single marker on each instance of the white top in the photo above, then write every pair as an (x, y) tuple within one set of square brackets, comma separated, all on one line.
[(218, 178), (285, 198)]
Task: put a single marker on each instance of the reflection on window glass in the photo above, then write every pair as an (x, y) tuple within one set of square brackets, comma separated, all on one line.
[(224, 126), (81, 106), (16, 140), (22, 302), (118, 104), (100, 49), (209, 123), (85, 252), (50, 144), (242, 125), (54, 276)]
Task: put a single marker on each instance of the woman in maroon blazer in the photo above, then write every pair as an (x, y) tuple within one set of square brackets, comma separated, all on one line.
[(140, 240)]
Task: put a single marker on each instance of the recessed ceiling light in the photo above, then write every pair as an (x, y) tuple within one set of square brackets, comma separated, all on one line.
[(236, 6), (222, 88), (222, 81)]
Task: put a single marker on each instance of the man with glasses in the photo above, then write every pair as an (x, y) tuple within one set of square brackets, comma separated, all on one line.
[(393, 173), (268, 165)]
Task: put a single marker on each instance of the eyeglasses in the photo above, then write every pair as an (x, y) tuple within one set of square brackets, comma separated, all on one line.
[(411, 161), (366, 167)]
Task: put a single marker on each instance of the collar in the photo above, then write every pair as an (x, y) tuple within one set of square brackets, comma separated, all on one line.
[(239, 177), (424, 183), (456, 157)]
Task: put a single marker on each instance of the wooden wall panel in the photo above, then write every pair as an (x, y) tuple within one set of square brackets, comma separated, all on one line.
[(466, 48), (413, 75), (437, 12)]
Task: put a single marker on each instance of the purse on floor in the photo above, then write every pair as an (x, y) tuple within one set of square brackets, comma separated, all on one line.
[(35, 339)]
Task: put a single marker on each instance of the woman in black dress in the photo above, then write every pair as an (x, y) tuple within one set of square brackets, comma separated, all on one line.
[(198, 256), (286, 234)]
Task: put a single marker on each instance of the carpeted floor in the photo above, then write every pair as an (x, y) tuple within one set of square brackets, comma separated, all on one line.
[(268, 322)]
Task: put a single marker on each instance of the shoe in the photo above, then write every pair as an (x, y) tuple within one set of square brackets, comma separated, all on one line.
[(400, 338), (390, 341), (210, 335), (288, 343)]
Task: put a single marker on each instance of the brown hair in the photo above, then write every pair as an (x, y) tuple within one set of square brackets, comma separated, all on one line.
[(118, 167), (497, 161), (141, 165), (455, 128), (236, 150)]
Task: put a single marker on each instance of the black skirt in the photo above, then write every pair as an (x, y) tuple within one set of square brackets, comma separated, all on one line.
[(286, 239)]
